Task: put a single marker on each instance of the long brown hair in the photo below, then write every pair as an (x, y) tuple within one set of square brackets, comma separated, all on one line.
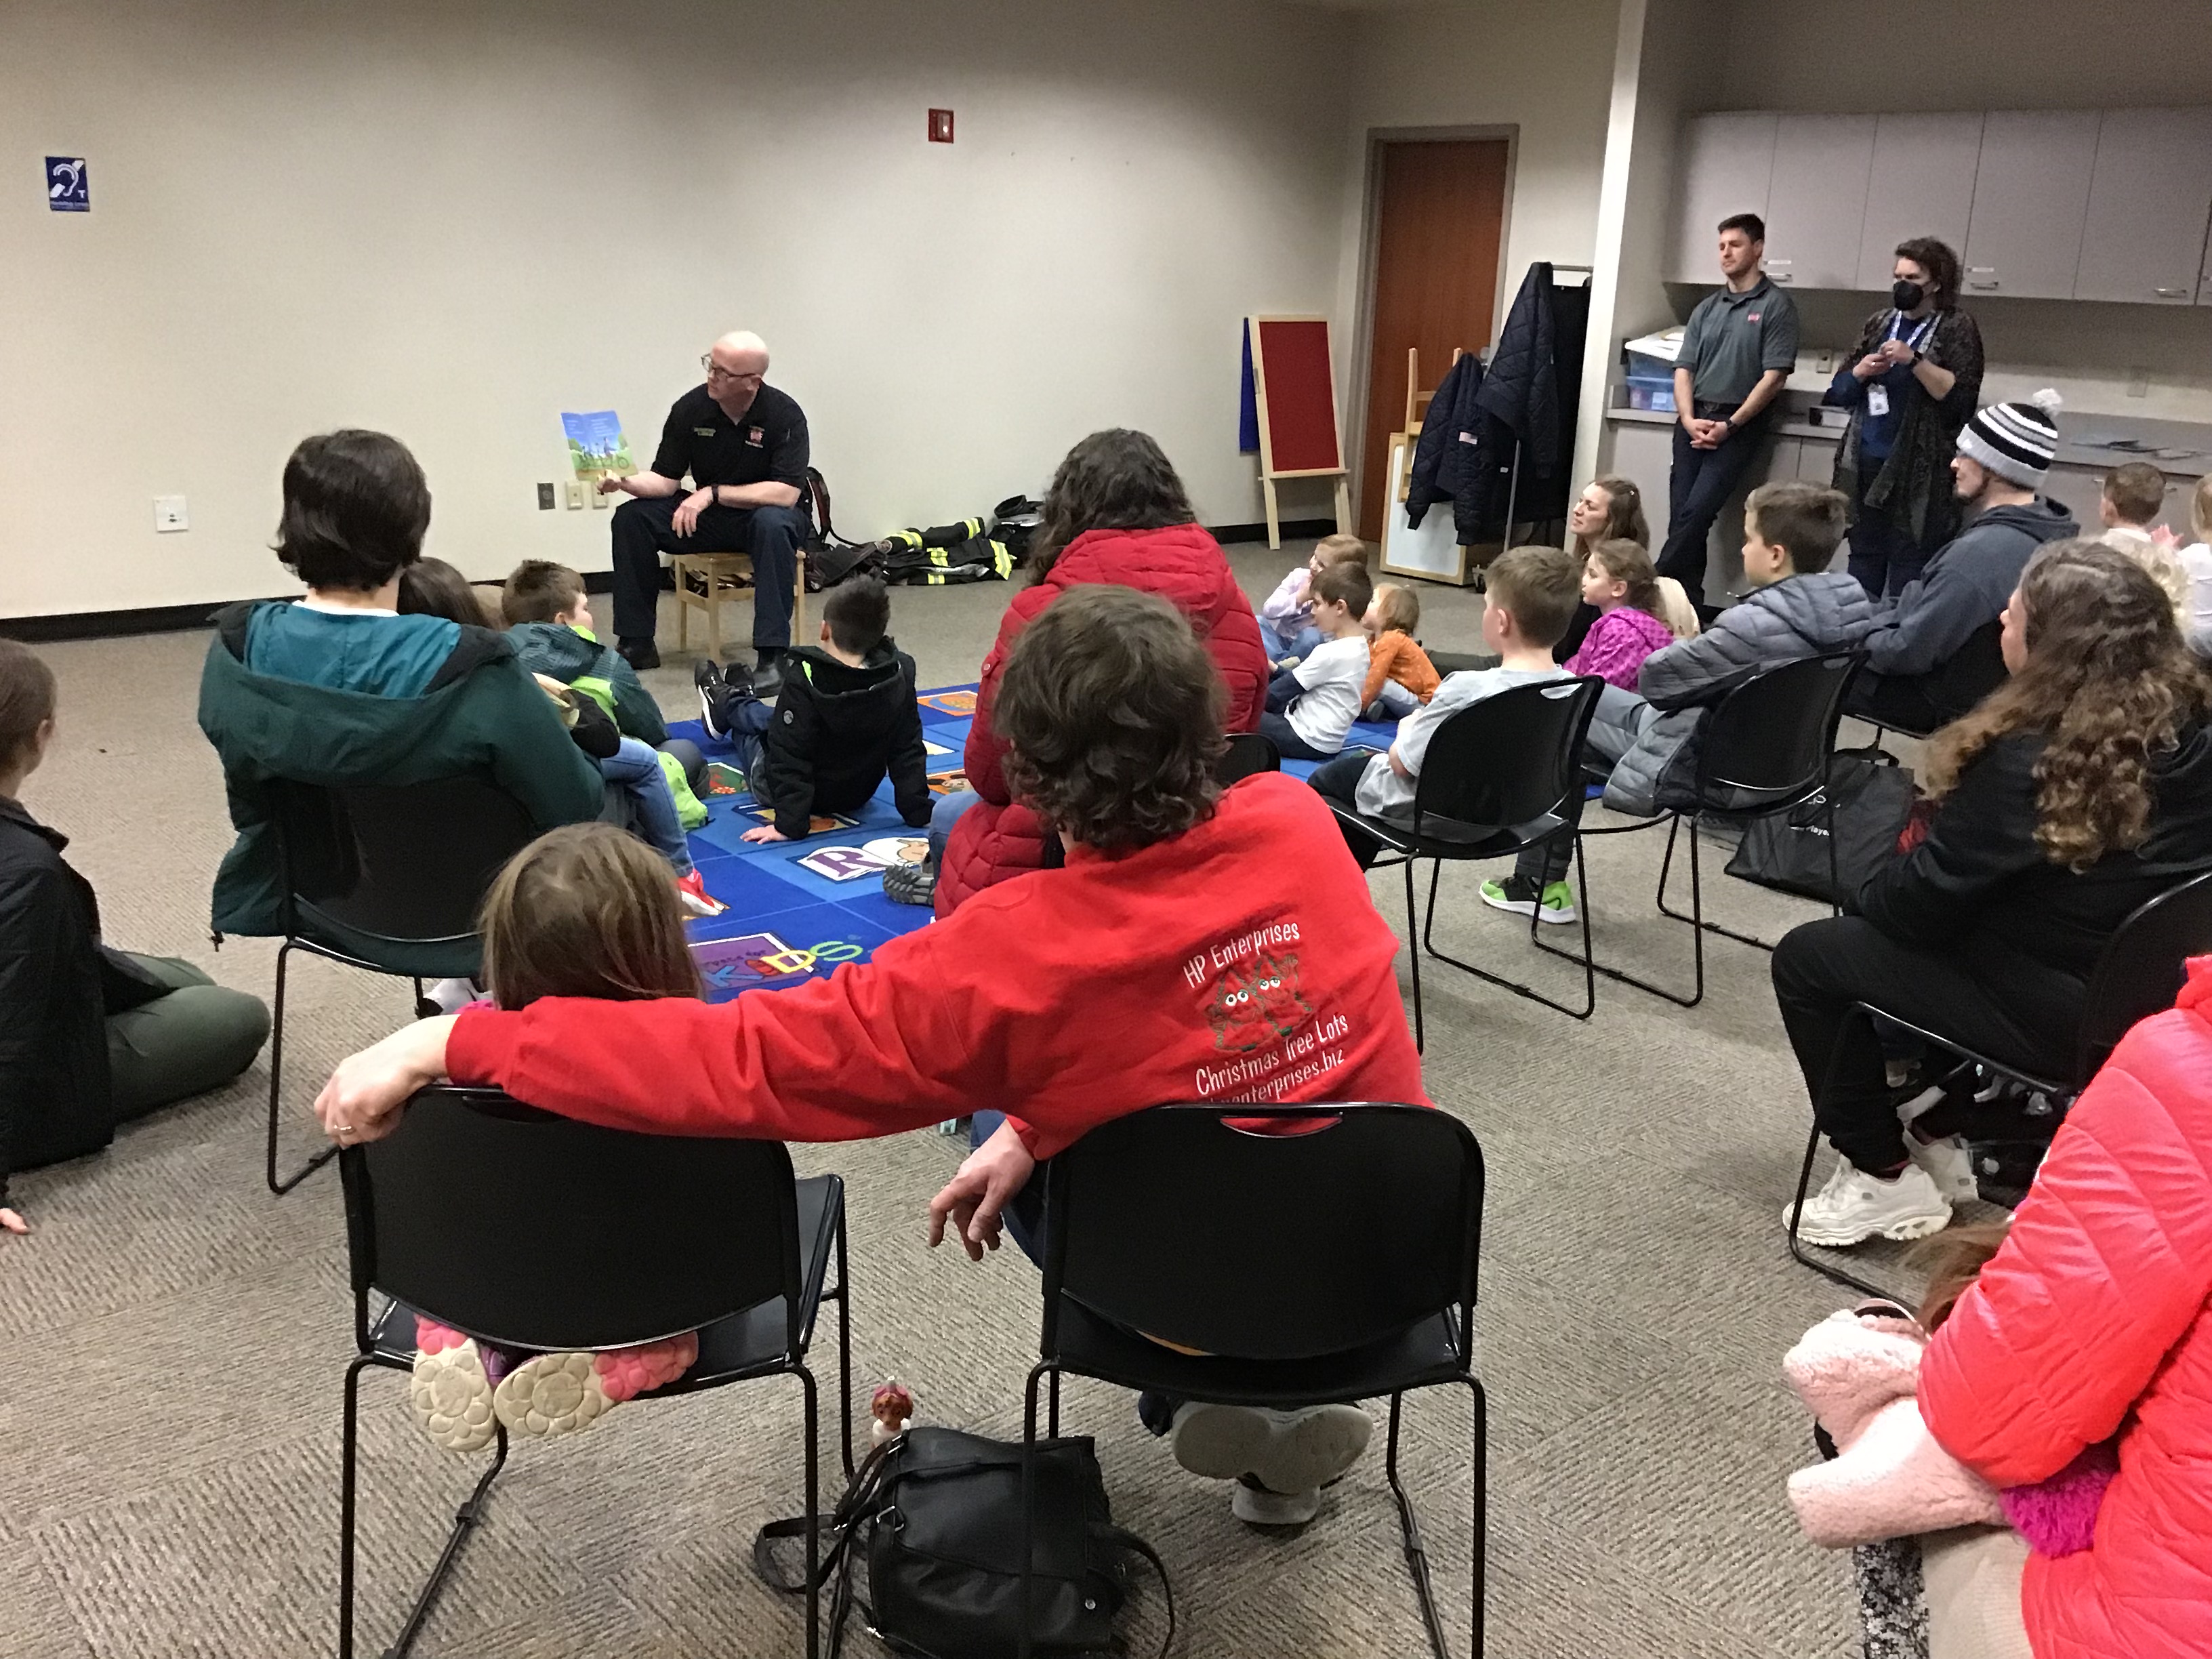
[(586, 910), (1627, 561), (2109, 685), (27, 699), (1113, 480), (1624, 514), (1954, 1259)]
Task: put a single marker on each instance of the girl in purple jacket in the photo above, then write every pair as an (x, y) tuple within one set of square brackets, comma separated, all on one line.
[(1619, 580)]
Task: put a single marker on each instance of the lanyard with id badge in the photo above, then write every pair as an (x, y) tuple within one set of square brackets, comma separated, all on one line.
[(1877, 394)]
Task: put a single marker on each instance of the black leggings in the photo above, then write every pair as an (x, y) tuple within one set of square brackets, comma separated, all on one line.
[(1339, 782), (1822, 968)]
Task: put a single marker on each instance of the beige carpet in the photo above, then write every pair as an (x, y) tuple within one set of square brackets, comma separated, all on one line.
[(173, 1338)]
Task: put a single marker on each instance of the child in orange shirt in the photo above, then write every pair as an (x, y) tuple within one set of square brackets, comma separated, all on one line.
[(1400, 676)]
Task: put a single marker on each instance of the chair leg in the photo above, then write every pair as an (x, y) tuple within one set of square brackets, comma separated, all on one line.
[(282, 1185), (844, 1347), (349, 1463), (1589, 989), (1417, 1555), (813, 1517), (1826, 1269), (1029, 1489), (1414, 949), (1480, 1566), (1052, 1419), (683, 614)]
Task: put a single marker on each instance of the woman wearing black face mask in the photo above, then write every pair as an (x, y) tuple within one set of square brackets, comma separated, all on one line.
[(1911, 383)]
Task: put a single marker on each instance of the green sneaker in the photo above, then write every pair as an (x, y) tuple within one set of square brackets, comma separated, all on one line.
[(1555, 904)]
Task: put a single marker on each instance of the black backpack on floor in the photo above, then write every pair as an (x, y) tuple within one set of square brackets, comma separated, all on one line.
[(936, 1515)]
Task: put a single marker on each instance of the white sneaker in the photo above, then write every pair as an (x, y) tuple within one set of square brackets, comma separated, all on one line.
[(1855, 1206), (1948, 1164), (1287, 1452), (452, 995), (1256, 1506)]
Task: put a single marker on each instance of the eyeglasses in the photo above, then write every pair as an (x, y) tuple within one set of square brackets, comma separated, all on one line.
[(716, 372)]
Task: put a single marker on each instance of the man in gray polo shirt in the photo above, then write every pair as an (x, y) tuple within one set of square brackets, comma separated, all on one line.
[(1739, 349)]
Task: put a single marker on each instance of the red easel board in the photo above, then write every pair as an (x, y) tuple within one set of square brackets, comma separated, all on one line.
[(1294, 381)]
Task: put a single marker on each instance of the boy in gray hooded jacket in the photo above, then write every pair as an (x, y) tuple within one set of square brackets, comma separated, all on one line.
[(1797, 608)]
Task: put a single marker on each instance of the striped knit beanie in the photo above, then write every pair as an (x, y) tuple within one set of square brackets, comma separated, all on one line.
[(2014, 440)]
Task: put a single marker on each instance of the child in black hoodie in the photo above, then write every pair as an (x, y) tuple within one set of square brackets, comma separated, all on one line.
[(847, 715)]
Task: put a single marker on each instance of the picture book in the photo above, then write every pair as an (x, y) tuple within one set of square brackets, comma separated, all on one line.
[(596, 444)]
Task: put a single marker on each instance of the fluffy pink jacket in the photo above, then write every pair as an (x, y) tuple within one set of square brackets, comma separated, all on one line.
[(1858, 1373)]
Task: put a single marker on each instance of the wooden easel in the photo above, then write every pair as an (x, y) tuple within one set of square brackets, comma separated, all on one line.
[(1401, 445), (1310, 335)]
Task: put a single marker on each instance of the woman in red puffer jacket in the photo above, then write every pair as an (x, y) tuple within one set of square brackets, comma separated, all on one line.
[(1116, 513), (2092, 1322)]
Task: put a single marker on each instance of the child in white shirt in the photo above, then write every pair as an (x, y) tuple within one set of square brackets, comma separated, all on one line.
[(1311, 706), (1286, 615)]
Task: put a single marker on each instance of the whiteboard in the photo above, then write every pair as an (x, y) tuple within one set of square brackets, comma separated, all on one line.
[(1433, 550)]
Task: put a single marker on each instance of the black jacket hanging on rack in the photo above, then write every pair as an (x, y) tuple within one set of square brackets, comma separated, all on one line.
[(1444, 454), (1532, 387)]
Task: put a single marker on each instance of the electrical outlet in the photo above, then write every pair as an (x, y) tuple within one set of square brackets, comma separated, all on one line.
[(169, 514), (575, 497), (1824, 361), (598, 498), (545, 498), (2138, 383)]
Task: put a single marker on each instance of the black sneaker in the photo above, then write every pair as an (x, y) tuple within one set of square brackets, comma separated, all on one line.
[(910, 883), (768, 675), (708, 677), (640, 654)]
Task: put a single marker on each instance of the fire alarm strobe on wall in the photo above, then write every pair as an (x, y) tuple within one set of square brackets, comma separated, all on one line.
[(940, 126)]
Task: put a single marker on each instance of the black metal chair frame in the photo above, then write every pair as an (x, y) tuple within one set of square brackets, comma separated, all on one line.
[(1709, 781), (296, 938), (1250, 1387), (372, 1351), (2105, 1022), (1405, 843), (1246, 755)]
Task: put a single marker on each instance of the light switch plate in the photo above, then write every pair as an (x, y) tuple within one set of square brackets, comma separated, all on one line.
[(575, 497), (597, 500), (169, 514)]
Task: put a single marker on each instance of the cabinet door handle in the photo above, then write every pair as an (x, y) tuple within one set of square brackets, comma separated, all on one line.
[(2170, 293), (1780, 276), (1984, 287), (1990, 271)]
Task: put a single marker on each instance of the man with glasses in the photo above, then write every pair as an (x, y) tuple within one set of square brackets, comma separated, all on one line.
[(744, 444)]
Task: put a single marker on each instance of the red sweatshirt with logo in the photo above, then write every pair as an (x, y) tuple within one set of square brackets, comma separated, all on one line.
[(1241, 961)]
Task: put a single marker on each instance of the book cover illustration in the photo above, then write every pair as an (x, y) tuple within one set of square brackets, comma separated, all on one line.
[(597, 447)]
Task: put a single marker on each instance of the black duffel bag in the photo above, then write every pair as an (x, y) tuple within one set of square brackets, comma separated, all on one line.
[(1788, 851), (936, 1515)]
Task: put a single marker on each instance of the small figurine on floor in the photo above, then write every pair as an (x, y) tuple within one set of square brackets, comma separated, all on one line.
[(892, 1406)]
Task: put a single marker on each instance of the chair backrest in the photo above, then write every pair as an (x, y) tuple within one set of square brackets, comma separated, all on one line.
[(2142, 967), (1971, 673), (400, 861), (1268, 1246), (1247, 753), (1768, 741), (537, 1232), (1510, 758)]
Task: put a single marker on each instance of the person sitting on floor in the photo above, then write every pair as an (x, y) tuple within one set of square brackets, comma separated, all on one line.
[(549, 619), (1311, 706), (94, 1037), (1797, 607), (431, 587), (2080, 788), (1400, 676), (339, 689), (1920, 669), (582, 911), (846, 716), (1074, 999), (1287, 626), (1620, 585), (1529, 597)]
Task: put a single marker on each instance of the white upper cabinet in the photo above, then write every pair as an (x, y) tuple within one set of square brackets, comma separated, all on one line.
[(1921, 184), (1727, 165), (2149, 199), (1816, 198), (2031, 201)]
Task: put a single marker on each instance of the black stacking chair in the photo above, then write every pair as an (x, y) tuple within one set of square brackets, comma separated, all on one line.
[(446, 1216), (2139, 973), (1248, 752), (1497, 778), (1766, 749), (1974, 670), (386, 878), (1169, 1222)]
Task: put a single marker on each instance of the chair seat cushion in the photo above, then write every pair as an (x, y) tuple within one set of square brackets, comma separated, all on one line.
[(1423, 1353), (1449, 838), (746, 1344)]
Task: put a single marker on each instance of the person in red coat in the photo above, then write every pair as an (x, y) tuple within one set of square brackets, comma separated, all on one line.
[(1201, 944), (2094, 1320), (1116, 513)]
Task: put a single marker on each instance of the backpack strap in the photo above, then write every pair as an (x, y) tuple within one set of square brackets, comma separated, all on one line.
[(1129, 1541)]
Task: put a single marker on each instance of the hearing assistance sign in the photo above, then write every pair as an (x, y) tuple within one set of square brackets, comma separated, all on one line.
[(69, 187)]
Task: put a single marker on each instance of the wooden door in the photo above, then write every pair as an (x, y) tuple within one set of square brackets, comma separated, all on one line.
[(2148, 199), (1922, 184), (1440, 222), (2031, 198)]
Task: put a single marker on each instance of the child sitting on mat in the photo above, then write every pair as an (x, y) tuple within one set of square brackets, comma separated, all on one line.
[(1311, 705), (1619, 580), (583, 911), (1400, 676), (1286, 624)]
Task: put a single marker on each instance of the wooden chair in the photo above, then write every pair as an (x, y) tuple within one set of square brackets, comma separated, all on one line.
[(717, 574)]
